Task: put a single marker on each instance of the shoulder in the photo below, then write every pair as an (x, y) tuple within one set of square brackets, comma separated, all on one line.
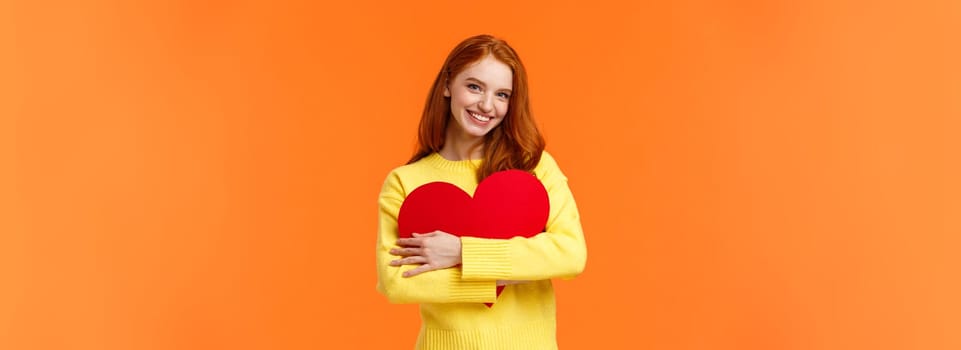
[(404, 171), (547, 168), (403, 179), (399, 175)]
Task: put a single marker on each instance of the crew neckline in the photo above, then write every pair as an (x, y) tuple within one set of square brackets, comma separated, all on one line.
[(437, 160)]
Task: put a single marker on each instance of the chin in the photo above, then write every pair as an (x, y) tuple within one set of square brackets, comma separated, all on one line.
[(472, 130), (479, 133)]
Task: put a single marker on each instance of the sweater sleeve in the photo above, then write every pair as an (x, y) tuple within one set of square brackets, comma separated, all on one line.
[(438, 286), (560, 251)]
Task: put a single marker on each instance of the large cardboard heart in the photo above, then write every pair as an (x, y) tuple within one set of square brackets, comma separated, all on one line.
[(506, 204)]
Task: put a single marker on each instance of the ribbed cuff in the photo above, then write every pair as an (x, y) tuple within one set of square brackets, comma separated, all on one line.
[(463, 291), (485, 259)]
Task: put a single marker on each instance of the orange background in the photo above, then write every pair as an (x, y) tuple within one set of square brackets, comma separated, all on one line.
[(751, 174)]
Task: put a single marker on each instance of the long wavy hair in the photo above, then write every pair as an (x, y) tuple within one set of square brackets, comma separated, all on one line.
[(514, 144)]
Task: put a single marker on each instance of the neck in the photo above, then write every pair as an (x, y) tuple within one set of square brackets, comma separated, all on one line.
[(461, 147)]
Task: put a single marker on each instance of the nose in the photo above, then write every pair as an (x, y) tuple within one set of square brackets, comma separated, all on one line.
[(486, 104)]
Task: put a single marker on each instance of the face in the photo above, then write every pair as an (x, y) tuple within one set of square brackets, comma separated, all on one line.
[(478, 98)]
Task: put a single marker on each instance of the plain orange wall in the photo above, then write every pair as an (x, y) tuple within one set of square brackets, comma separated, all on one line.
[(751, 174)]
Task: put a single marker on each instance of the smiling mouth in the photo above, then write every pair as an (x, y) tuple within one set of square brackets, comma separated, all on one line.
[(480, 117)]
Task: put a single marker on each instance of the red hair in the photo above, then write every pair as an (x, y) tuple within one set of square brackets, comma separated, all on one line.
[(515, 143)]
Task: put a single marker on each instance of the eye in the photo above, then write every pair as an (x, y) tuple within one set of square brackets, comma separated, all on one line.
[(504, 95), (473, 87)]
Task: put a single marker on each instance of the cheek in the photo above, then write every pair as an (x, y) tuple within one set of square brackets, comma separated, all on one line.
[(464, 98), (502, 108)]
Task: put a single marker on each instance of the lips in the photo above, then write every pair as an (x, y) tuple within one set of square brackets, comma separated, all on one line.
[(479, 117)]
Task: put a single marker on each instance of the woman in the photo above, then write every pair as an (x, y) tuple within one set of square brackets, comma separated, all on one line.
[(477, 121)]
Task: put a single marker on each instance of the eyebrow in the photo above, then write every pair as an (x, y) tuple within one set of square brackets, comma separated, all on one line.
[(484, 84)]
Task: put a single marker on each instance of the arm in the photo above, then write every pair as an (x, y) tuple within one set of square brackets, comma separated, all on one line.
[(560, 251), (438, 286)]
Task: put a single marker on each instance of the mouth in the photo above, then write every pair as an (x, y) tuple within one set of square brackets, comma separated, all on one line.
[(480, 117)]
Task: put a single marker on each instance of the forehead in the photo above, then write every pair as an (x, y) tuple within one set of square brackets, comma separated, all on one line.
[(493, 73)]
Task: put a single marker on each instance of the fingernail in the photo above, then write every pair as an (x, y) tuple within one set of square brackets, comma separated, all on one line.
[(394, 262)]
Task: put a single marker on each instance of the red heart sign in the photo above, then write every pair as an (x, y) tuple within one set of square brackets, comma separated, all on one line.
[(506, 204)]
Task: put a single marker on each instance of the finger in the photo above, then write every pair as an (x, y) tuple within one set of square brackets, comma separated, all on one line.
[(410, 242), (419, 270), (406, 251), (411, 260), (429, 234)]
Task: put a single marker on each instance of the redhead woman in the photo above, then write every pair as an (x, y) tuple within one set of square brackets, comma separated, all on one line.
[(477, 122)]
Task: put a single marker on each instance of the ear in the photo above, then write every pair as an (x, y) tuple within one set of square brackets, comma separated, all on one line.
[(446, 91)]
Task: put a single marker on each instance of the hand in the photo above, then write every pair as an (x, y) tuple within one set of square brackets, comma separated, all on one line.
[(433, 251)]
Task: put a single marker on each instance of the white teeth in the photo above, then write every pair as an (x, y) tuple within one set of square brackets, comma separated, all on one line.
[(479, 117)]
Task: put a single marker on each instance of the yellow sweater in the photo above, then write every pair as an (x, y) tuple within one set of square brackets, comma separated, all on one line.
[(452, 300)]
